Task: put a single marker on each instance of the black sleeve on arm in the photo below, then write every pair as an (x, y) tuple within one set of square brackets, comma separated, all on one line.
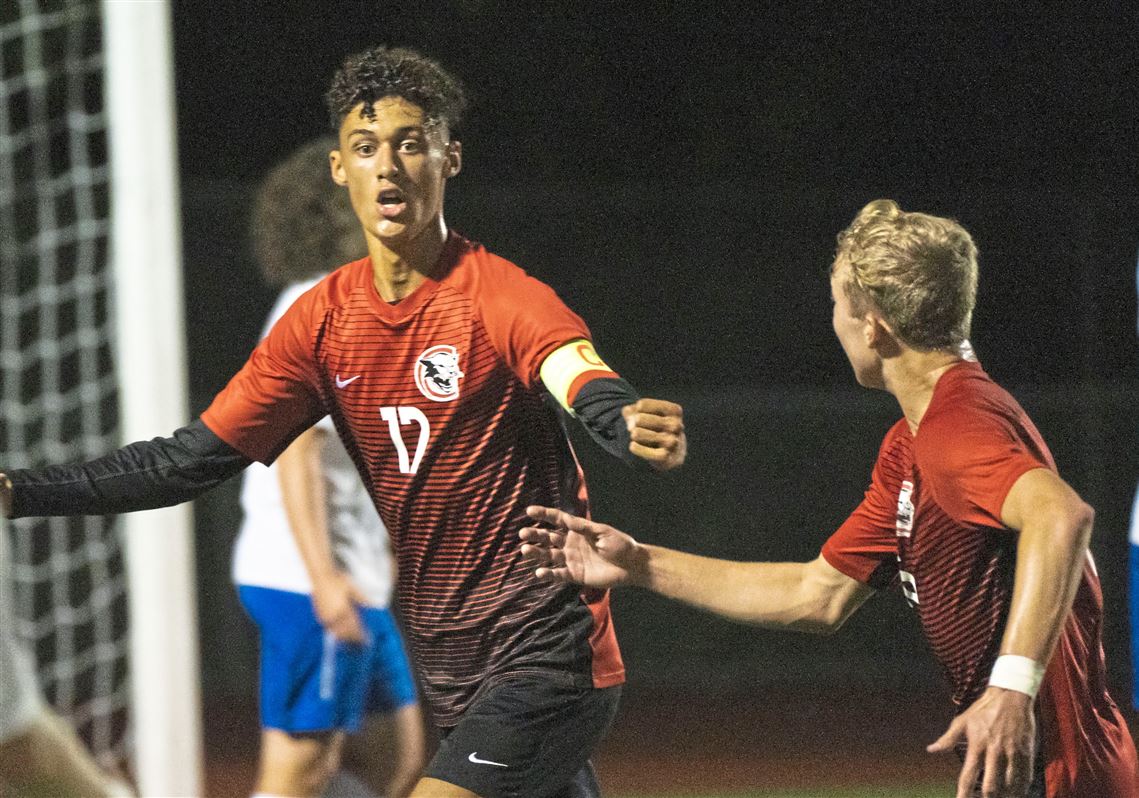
[(598, 406), (141, 476)]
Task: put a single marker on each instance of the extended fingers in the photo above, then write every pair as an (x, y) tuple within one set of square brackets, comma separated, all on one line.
[(1018, 772), (561, 574), (971, 768), (992, 785), (543, 548), (563, 521), (946, 741), (542, 556), (542, 537), (545, 515), (969, 772)]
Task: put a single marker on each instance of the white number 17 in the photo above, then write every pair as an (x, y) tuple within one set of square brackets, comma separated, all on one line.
[(402, 416)]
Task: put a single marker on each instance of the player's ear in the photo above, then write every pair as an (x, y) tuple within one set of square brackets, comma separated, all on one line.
[(454, 157), (336, 165), (879, 334), (873, 330)]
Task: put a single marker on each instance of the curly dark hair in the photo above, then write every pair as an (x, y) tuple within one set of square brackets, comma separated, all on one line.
[(302, 223), (396, 72)]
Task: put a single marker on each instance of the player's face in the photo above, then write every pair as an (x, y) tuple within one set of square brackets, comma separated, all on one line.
[(395, 167), (854, 333)]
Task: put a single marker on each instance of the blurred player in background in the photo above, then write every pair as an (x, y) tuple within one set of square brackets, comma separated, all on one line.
[(40, 754), (965, 511), (443, 367), (330, 648)]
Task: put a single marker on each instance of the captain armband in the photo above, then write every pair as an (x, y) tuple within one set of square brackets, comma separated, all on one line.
[(1013, 672), (593, 393), (571, 366)]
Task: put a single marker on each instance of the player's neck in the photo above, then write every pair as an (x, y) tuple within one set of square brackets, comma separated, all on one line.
[(398, 269), (912, 376)]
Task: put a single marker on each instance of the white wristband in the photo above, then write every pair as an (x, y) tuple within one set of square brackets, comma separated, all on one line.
[(1012, 672)]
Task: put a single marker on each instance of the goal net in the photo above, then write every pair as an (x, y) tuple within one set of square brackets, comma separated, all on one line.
[(59, 397), (91, 278)]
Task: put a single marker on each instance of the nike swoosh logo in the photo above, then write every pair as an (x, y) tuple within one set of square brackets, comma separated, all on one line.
[(474, 758), (345, 383)]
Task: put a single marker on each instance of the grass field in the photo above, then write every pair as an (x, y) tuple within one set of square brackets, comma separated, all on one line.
[(925, 791)]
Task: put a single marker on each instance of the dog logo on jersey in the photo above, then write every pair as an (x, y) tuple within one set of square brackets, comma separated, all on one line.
[(437, 373), (904, 525)]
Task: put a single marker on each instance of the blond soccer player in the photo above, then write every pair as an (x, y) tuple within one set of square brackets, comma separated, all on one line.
[(965, 514)]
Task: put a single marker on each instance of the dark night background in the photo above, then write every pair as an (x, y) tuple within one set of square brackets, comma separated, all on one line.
[(678, 173)]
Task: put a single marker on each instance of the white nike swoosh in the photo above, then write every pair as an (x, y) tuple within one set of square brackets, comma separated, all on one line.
[(345, 383), (474, 758)]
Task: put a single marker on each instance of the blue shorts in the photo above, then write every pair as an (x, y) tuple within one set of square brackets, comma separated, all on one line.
[(312, 682)]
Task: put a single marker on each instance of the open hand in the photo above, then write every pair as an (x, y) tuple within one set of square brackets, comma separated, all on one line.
[(574, 549), (656, 432), (999, 730)]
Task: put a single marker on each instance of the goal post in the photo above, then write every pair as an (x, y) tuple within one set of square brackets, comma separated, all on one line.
[(146, 257)]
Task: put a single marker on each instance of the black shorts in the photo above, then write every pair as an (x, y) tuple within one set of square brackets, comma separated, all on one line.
[(528, 736)]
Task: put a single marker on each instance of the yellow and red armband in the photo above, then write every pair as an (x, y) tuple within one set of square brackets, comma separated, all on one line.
[(593, 393), (571, 366)]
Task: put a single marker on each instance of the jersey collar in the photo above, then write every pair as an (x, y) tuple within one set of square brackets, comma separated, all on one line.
[(402, 311)]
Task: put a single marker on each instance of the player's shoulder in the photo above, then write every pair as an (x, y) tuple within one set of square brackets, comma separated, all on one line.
[(329, 290), (965, 402), (478, 270), (968, 414), (302, 304), (335, 287)]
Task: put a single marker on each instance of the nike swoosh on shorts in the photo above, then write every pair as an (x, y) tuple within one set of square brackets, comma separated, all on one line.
[(474, 758)]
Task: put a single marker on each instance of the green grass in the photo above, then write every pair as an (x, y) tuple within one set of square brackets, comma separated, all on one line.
[(925, 791)]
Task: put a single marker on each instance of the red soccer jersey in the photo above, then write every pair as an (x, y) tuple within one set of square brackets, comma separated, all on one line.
[(931, 522), (438, 400)]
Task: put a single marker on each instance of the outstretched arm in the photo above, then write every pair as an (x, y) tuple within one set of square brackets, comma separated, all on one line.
[(141, 476), (811, 597), (1054, 526)]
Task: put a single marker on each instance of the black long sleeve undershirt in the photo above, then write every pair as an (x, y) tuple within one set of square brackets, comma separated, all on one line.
[(140, 476), (165, 471), (598, 406)]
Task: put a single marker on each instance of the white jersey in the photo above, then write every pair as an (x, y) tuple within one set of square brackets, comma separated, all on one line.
[(266, 554)]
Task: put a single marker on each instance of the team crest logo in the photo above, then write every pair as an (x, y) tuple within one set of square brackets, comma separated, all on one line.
[(437, 373)]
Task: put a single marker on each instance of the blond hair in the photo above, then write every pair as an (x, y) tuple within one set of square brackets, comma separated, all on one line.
[(919, 271)]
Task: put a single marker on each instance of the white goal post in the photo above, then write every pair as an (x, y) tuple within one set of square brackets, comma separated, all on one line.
[(151, 363)]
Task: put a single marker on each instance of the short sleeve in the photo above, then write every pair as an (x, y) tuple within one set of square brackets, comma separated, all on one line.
[(865, 547), (526, 321), (969, 470), (273, 398)]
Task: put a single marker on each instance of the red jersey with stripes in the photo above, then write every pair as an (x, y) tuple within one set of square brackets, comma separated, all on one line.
[(930, 522), (438, 400)]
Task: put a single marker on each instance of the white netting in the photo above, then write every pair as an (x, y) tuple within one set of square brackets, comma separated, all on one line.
[(58, 395)]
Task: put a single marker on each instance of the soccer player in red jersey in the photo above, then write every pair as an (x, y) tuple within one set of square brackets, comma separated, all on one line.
[(965, 512), (442, 366)]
